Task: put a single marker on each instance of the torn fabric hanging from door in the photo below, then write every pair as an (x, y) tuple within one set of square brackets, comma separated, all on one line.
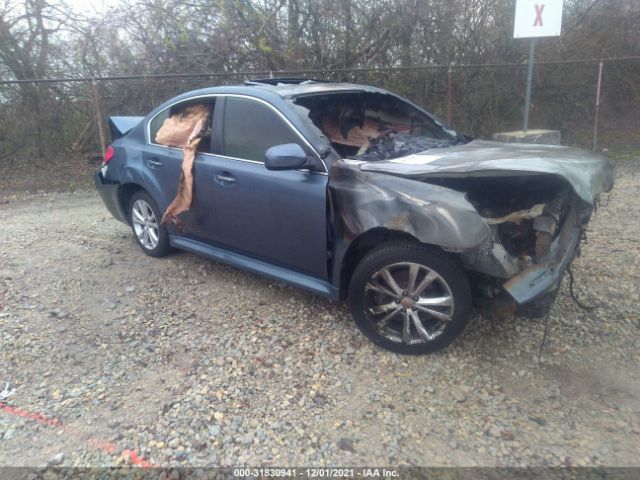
[(183, 130)]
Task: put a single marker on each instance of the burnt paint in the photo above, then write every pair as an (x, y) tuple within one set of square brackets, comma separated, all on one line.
[(364, 201)]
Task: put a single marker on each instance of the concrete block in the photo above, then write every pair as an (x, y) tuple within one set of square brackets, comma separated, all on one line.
[(546, 137)]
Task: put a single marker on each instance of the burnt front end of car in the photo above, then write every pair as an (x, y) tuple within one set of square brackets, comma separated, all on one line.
[(531, 249), (516, 224)]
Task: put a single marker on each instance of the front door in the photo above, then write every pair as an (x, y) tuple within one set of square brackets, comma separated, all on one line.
[(278, 216)]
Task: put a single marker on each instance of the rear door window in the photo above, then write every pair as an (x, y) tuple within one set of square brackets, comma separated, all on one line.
[(250, 128), (176, 110), (156, 123)]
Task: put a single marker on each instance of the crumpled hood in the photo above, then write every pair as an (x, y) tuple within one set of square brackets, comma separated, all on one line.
[(588, 173)]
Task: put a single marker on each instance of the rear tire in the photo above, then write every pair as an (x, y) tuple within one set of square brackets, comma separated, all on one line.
[(144, 217), (410, 298)]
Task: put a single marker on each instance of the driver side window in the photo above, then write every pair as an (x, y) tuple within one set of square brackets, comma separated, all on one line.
[(251, 128)]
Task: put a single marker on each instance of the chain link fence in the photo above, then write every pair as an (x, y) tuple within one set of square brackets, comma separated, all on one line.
[(47, 119)]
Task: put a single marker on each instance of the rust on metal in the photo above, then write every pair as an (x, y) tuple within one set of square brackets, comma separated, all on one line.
[(517, 217)]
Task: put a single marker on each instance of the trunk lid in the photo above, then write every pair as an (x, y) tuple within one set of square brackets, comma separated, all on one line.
[(120, 126)]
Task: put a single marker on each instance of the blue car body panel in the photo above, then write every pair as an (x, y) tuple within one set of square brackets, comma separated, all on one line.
[(261, 267), (277, 215)]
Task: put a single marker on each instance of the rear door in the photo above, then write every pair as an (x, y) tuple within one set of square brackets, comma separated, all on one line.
[(278, 216), (163, 165)]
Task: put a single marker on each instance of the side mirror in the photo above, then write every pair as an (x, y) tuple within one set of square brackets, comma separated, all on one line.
[(289, 156)]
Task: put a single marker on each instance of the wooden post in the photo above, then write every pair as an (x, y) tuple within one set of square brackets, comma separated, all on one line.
[(96, 99)]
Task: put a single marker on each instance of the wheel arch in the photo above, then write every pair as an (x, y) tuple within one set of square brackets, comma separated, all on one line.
[(362, 245), (125, 193)]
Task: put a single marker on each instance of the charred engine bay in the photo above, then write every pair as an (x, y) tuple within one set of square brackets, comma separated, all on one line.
[(390, 144), (525, 211)]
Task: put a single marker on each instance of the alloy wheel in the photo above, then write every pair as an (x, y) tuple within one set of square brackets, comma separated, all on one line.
[(408, 303), (145, 224)]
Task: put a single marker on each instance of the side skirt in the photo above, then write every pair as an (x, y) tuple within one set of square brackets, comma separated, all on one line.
[(297, 279)]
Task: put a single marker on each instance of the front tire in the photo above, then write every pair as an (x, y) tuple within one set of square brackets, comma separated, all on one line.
[(410, 298), (144, 217)]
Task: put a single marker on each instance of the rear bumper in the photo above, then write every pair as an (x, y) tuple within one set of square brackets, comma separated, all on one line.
[(109, 194)]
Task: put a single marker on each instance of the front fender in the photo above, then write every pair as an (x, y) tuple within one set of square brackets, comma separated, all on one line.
[(433, 214)]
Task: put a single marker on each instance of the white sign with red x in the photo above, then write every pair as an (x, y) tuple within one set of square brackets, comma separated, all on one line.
[(537, 18)]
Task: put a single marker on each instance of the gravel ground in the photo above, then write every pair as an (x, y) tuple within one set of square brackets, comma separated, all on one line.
[(190, 362)]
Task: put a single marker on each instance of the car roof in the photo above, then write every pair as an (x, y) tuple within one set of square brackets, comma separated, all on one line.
[(286, 87), (283, 89), (277, 92)]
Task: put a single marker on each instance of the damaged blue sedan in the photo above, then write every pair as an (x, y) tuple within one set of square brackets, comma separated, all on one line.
[(354, 193)]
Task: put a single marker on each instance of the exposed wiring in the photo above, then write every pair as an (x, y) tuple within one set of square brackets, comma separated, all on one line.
[(544, 336), (548, 315), (573, 295), (547, 318)]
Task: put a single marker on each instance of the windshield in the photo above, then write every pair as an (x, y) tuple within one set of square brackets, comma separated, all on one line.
[(373, 126)]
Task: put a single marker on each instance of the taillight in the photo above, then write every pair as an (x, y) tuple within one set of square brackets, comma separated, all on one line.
[(108, 154)]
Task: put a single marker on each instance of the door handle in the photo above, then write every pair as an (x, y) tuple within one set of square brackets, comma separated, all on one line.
[(154, 162), (225, 178)]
